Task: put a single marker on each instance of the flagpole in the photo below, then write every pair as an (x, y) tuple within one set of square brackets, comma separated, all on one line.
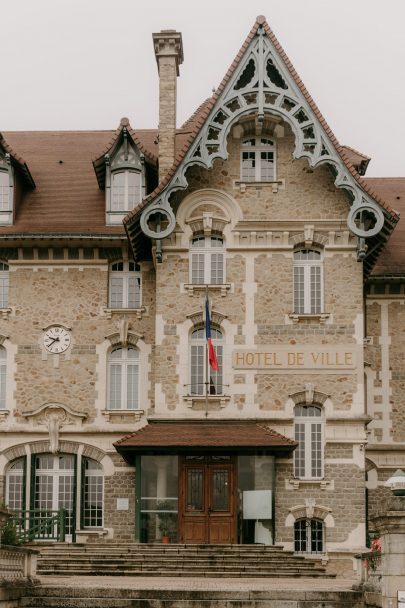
[(206, 355)]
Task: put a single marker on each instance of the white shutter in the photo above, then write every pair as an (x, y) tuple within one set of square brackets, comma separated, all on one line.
[(116, 292), (197, 268), (299, 289), (134, 292), (217, 268), (315, 289), (115, 386), (132, 387)]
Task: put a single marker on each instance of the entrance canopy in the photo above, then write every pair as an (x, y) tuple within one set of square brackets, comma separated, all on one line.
[(204, 437)]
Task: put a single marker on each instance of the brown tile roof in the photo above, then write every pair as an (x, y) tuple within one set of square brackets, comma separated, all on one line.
[(392, 258), (18, 160), (67, 198), (202, 435), (358, 160), (207, 106)]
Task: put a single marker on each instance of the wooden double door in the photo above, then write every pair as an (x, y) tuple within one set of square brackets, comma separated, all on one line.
[(207, 499)]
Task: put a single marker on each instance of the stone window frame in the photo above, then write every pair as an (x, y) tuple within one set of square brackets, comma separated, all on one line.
[(309, 291), (197, 320), (123, 337), (305, 424), (197, 343), (124, 363)]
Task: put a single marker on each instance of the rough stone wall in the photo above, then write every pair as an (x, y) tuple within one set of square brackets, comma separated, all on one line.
[(346, 507), (73, 298), (120, 485)]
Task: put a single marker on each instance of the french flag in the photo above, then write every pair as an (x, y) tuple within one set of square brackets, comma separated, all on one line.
[(212, 358)]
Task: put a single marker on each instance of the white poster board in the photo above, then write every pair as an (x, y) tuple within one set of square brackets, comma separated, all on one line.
[(122, 504), (257, 504), (401, 599)]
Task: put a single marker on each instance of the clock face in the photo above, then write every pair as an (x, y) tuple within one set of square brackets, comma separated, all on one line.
[(56, 339)]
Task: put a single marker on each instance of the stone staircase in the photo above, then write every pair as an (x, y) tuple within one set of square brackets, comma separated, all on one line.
[(132, 559), (76, 597)]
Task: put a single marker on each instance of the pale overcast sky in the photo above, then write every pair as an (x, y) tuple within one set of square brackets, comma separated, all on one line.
[(83, 64)]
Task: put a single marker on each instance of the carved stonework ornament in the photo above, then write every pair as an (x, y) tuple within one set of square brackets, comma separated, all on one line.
[(54, 416), (309, 393), (262, 86), (124, 337)]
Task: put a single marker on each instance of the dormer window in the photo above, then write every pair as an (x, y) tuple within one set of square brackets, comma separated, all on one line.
[(6, 201), (258, 160), (125, 190), (125, 179)]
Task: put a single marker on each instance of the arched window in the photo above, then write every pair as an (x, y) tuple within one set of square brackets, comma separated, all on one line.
[(93, 493), (125, 190), (308, 281), (200, 381), (258, 160), (123, 379), (207, 260), (15, 482), (4, 276), (308, 456), (125, 285), (4, 191), (309, 536), (3, 377), (52, 486)]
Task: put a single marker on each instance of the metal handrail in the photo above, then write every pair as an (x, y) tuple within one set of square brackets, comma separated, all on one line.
[(41, 524)]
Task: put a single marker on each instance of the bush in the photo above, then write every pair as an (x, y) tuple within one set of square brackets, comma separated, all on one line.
[(9, 536)]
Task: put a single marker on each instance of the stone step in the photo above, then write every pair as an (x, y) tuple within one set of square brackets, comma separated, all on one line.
[(176, 560), (45, 597)]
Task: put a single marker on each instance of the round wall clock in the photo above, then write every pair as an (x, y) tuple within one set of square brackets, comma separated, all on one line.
[(56, 339)]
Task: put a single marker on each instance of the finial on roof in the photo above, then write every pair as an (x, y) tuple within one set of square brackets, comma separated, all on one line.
[(260, 19), (124, 121)]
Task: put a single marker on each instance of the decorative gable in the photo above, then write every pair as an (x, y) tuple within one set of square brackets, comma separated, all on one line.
[(262, 86)]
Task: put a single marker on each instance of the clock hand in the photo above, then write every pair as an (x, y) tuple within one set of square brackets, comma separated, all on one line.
[(53, 340)]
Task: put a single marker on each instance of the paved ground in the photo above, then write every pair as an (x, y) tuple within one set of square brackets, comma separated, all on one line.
[(206, 584)]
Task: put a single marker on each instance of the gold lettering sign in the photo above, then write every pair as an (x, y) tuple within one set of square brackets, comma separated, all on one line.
[(306, 357)]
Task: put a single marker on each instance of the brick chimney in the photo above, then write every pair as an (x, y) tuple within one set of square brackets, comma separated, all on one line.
[(169, 55)]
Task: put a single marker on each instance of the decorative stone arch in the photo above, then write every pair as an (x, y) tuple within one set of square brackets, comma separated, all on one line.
[(263, 86), (309, 396), (310, 510), (309, 238), (197, 318), (16, 451)]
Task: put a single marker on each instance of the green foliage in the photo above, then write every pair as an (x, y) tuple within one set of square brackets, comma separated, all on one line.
[(9, 535)]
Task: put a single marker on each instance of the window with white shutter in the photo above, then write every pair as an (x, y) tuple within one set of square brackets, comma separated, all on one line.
[(123, 379), (199, 383), (207, 260), (308, 282), (308, 456), (258, 160), (125, 285)]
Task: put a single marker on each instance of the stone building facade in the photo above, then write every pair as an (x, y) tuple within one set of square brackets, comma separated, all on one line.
[(113, 248)]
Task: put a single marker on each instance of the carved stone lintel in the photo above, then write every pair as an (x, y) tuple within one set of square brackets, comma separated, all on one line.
[(309, 393), (54, 416)]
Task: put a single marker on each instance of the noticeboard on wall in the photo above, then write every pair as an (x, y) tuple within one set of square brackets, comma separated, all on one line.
[(257, 504), (401, 599)]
